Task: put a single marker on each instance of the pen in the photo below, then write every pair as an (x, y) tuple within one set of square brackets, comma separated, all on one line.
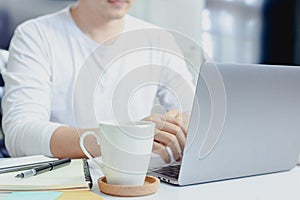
[(44, 168)]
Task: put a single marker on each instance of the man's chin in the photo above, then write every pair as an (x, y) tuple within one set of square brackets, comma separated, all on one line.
[(116, 16)]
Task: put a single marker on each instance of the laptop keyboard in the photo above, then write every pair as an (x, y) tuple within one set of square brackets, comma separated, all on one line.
[(171, 171)]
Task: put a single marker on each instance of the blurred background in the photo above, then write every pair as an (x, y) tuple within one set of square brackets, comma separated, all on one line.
[(244, 31)]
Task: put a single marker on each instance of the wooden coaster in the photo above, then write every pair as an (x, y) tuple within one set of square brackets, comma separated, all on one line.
[(150, 186)]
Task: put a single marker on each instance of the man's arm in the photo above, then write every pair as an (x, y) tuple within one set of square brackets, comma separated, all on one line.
[(64, 143), (26, 101), (171, 130)]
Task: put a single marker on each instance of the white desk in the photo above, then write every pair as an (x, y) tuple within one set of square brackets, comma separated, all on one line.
[(276, 186)]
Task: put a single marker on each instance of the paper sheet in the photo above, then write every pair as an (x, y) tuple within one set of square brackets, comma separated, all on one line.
[(73, 195), (32, 196)]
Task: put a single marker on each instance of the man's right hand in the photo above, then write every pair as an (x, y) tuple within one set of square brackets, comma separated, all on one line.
[(171, 129)]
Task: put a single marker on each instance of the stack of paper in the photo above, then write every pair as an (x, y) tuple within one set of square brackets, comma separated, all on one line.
[(73, 176)]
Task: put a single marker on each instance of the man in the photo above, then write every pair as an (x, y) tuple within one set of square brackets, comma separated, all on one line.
[(46, 55)]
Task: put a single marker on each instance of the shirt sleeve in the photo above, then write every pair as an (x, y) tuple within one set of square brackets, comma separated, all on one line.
[(27, 99), (176, 89)]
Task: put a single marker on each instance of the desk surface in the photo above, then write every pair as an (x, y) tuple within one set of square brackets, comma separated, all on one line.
[(283, 185), (275, 186)]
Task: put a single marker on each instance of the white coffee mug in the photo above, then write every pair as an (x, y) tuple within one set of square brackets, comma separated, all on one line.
[(125, 148)]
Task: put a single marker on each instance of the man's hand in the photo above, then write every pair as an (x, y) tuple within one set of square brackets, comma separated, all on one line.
[(171, 130)]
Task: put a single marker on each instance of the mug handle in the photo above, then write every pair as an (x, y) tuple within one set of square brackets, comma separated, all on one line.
[(99, 163)]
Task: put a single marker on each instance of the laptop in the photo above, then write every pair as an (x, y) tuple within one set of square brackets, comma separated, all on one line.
[(245, 121)]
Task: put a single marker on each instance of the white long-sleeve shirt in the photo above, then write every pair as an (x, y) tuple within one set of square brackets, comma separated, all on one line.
[(48, 76)]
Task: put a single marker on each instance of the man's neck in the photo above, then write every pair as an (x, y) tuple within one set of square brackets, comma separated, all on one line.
[(95, 26)]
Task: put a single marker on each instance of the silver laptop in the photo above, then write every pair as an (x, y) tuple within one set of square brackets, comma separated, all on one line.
[(245, 121)]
